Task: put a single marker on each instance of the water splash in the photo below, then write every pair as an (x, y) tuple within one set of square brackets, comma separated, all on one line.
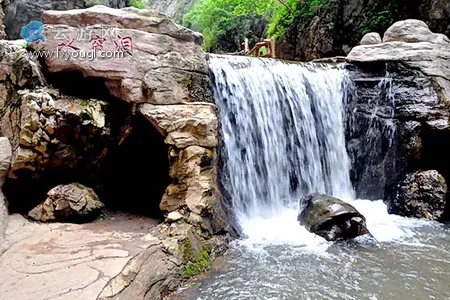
[(283, 132)]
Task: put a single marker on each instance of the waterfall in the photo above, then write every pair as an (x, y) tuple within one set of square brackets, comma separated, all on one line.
[(283, 132)]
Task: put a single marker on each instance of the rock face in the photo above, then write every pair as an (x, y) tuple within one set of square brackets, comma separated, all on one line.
[(59, 133), (420, 195), (184, 125), (5, 162), (331, 218), (156, 54), (175, 9), (19, 13), (333, 27), (41, 135), (398, 121), (71, 202)]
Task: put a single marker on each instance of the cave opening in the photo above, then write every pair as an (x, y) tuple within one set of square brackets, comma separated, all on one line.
[(435, 156), (129, 170)]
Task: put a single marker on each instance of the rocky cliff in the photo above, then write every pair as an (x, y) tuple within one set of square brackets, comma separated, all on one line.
[(175, 9), (333, 27), (135, 132), (398, 126)]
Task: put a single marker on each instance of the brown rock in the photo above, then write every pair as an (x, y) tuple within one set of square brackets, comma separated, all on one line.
[(420, 195), (159, 60), (184, 125), (70, 202)]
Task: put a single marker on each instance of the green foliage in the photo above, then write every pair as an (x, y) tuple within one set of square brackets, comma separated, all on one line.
[(213, 17), (198, 266), (381, 20), (90, 3), (138, 4), (222, 20)]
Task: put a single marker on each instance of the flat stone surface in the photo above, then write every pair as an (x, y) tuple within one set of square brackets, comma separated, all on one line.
[(431, 59), (68, 261)]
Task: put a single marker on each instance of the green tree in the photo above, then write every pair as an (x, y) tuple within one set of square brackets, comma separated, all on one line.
[(213, 18)]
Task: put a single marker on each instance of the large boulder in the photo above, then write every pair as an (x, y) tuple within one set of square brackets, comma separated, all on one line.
[(420, 195), (70, 202), (371, 38), (331, 218), (413, 31), (160, 62), (413, 44)]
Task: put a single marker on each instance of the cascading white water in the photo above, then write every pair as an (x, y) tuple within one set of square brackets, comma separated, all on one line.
[(283, 132), (283, 137)]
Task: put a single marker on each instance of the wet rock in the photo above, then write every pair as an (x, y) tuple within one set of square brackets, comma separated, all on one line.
[(71, 202), (420, 195), (331, 218), (413, 31), (371, 38)]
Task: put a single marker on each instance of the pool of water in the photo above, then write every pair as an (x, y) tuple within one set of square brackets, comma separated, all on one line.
[(278, 259)]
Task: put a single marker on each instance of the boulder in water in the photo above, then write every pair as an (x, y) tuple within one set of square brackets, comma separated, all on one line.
[(420, 195), (331, 218)]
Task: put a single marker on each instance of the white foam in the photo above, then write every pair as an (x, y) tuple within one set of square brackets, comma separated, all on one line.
[(282, 228)]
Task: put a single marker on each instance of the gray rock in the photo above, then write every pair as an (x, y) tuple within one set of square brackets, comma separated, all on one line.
[(371, 38), (331, 28), (420, 195), (331, 218), (406, 117), (413, 31), (175, 9), (432, 59), (68, 203), (5, 159), (5, 162)]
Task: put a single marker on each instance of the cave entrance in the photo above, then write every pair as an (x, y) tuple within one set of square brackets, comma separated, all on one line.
[(135, 173), (131, 175)]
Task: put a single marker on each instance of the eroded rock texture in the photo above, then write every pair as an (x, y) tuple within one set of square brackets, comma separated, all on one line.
[(160, 83), (399, 109), (69, 202), (420, 195)]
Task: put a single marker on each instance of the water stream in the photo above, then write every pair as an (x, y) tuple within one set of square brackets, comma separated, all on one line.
[(283, 130)]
